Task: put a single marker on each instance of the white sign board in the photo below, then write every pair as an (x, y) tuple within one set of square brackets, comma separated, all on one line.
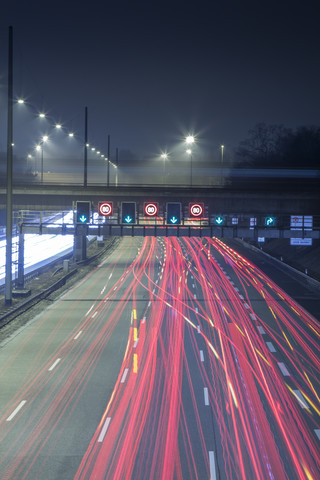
[(301, 241)]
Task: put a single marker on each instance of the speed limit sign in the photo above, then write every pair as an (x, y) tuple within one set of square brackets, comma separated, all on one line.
[(196, 209), (105, 208), (151, 209)]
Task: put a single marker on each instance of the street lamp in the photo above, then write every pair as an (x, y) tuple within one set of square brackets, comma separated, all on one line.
[(164, 156), (222, 148), (189, 152), (189, 141), (40, 147)]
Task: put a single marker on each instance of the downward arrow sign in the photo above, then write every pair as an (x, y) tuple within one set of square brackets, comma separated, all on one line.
[(173, 220), (128, 219), (83, 218)]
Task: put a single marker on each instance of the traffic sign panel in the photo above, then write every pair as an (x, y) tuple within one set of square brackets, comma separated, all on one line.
[(173, 213), (83, 212), (128, 213)]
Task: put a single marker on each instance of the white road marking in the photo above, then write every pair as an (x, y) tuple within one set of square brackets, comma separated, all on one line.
[(302, 401), (110, 276), (54, 365), (198, 328), (14, 413), (197, 310), (261, 330), (104, 429), (213, 475), (124, 376), (95, 313), (102, 290), (201, 356), (246, 306), (253, 317), (149, 304), (89, 310), (143, 320), (206, 396), (283, 369), (271, 347), (317, 432), (78, 335), (241, 296), (236, 289), (136, 343)]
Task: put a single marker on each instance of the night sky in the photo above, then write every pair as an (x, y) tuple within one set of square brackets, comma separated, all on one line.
[(151, 72)]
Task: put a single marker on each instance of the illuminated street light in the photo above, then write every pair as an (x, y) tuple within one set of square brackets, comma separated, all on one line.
[(71, 134), (45, 138), (93, 149), (58, 126), (20, 100), (42, 115), (190, 139)]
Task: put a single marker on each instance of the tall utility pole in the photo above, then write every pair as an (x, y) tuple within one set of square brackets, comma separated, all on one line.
[(85, 173), (108, 164), (8, 279)]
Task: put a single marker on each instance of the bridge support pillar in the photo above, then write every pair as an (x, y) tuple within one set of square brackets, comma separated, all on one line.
[(79, 246)]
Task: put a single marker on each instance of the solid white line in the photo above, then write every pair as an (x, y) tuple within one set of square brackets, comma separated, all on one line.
[(78, 335), (124, 376), (201, 356), (283, 369), (104, 429), (95, 313), (271, 347), (54, 365), (206, 396), (317, 432), (213, 475), (302, 401), (89, 310), (261, 330), (14, 413)]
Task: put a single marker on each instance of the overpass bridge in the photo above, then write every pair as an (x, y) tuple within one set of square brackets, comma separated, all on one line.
[(255, 198)]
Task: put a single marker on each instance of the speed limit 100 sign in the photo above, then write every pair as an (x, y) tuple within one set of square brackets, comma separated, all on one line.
[(105, 208)]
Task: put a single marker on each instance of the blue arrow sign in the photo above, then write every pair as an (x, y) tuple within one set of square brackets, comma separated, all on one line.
[(219, 220), (83, 218), (128, 219), (173, 220), (269, 221)]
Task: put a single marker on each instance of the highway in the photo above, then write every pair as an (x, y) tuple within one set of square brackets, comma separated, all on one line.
[(176, 358)]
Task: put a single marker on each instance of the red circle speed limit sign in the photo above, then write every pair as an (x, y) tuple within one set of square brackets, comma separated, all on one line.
[(151, 209), (105, 208), (196, 209)]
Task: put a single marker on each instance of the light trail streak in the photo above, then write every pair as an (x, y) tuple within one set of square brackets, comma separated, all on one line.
[(211, 386)]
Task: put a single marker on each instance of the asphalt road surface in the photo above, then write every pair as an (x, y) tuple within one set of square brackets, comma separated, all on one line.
[(174, 359)]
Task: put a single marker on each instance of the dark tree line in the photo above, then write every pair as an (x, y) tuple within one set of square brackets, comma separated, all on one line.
[(276, 146)]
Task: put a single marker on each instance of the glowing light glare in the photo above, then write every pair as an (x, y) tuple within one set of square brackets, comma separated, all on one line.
[(190, 139), (38, 147), (45, 138), (93, 149), (58, 126), (87, 144), (71, 134), (189, 151), (42, 115), (164, 156), (98, 152), (29, 156), (20, 100)]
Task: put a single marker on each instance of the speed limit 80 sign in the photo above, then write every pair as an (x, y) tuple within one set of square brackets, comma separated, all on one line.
[(196, 209), (105, 208), (151, 209)]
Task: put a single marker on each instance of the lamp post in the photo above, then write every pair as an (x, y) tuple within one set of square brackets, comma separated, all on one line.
[(40, 147), (164, 156), (189, 141), (222, 148)]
